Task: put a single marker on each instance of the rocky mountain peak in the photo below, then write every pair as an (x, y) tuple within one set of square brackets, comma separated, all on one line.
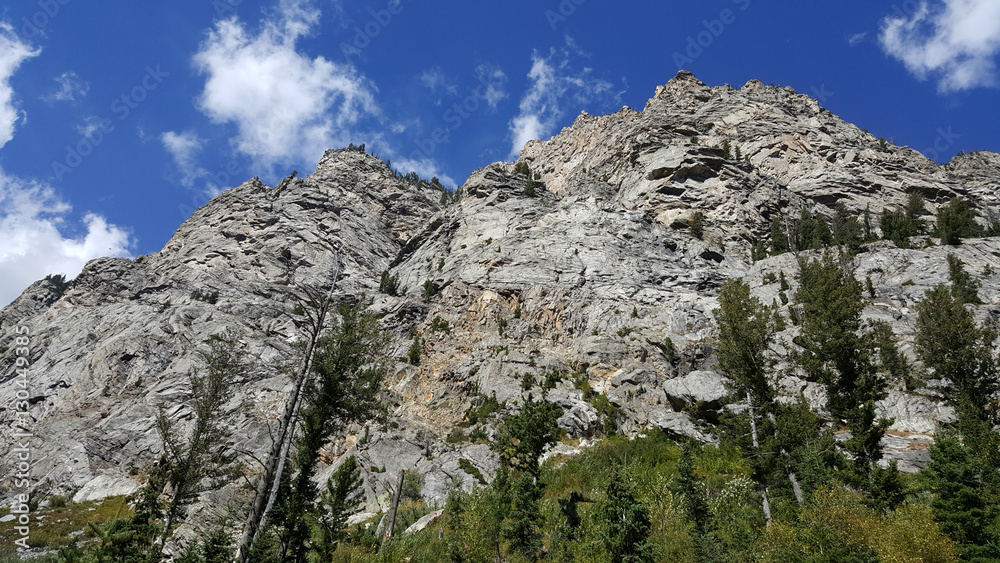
[(598, 282)]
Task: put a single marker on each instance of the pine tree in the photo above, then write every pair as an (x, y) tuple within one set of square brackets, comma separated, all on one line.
[(966, 501), (624, 522), (956, 221), (867, 231), (839, 354), (694, 499), (915, 209), (313, 308), (847, 231), (343, 492), (949, 341), (202, 459), (896, 227), (962, 284), (522, 440), (812, 231), (745, 331), (348, 370), (696, 223), (779, 240)]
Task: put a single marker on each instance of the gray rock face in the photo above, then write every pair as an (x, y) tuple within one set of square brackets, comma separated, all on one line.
[(584, 283), (705, 387)]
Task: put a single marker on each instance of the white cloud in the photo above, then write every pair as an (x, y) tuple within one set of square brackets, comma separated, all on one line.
[(287, 106), (427, 168), (434, 80), (955, 42), (494, 79), (70, 87), (33, 246), (90, 125), (184, 148), (857, 38), (31, 214), (13, 52), (553, 81)]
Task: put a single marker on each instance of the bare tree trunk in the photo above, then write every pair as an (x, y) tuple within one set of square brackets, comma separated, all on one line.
[(791, 474), (267, 486), (795, 486), (765, 504), (391, 517)]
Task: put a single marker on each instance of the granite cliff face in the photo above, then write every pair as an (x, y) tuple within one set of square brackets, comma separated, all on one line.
[(591, 277)]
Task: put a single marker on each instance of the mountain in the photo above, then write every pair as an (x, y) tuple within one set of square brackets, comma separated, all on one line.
[(596, 281)]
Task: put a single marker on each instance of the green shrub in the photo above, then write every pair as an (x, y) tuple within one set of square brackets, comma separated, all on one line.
[(431, 289), (956, 221), (696, 224), (205, 296), (669, 350), (472, 470), (389, 284), (485, 407), (58, 283), (416, 347), (413, 483), (439, 325), (608, 413)]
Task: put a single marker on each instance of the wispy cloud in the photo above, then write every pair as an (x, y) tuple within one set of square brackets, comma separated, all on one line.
[(13, 52), (70, 88), (494, 79), (435, 80), (287, 106), (184, 148), (955, 42), (554, 81), (857, 38)]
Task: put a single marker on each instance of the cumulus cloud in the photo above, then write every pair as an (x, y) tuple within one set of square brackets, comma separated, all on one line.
[(30, 221), (554, 81), (13, 52), (31, 214), (184, 148), (70, 88), (287, 106), (955, 42)]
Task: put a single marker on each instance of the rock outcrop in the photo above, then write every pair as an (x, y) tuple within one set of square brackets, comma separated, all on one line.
[(596, 283)]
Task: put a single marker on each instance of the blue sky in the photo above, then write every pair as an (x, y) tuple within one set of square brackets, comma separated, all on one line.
[(118, 118)]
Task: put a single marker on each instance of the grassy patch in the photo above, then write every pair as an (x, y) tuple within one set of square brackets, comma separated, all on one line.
[(56, 527), (472, 470)]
